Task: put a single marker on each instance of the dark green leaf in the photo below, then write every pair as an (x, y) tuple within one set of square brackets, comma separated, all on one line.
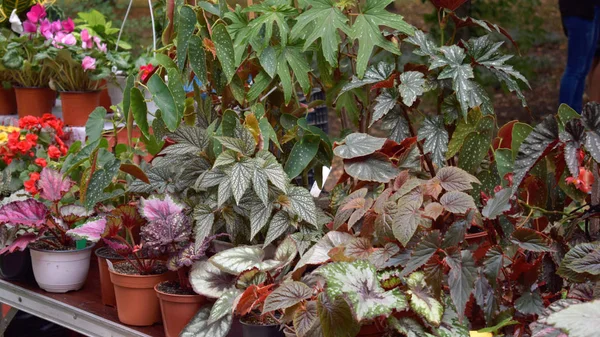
[(166, 102), (224, 48), (302, 154), (187, 24), (530, 303), (461, 278), (197, 57), (139, 110), (423, 252), (95, 124)]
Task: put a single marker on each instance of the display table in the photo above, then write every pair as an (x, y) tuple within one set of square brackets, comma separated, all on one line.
[(81, 311)]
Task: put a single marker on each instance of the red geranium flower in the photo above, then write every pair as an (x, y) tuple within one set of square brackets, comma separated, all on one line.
[(41, 162), (29, 122), (24, 146), (32, 138), (53, 152), (31, 184)]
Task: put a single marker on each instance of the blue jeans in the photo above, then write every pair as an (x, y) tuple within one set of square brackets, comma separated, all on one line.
[(583, 37)]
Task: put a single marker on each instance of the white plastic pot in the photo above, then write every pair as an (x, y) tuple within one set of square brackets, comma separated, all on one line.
[(61, 271)]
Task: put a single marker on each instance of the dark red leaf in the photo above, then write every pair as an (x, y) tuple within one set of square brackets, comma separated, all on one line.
[(448, 4), (135, 171), (389, 83), (470, 22)]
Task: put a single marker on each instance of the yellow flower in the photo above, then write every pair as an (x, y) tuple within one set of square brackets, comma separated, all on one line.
[(3, 137), (480, 334)]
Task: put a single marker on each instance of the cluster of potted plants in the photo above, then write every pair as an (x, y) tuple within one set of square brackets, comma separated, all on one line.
[(43, 57), (449, 226)]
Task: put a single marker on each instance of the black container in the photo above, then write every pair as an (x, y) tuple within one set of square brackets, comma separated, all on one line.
[(251, 330), (16, 266)]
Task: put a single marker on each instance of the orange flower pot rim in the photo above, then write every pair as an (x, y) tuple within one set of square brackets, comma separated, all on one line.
[(164, 294)]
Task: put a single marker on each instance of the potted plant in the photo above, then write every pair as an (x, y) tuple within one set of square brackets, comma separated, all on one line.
[(15, 259), (170, 233), (27, 149), (8, 101), (63, 236), (134, 278), (118, 54), (31, 71), (126, 221)]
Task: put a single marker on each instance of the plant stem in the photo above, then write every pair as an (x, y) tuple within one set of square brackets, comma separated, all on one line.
[(430, 166)]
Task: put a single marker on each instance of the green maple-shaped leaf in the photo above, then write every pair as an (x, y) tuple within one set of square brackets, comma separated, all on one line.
[(325, 19), (366, 30), (412, 85), (272, 12)]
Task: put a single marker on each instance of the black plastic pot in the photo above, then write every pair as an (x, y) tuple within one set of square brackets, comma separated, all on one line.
[(251, 330), (16, 266)]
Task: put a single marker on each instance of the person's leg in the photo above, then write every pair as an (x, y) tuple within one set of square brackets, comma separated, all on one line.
[(581, 35)]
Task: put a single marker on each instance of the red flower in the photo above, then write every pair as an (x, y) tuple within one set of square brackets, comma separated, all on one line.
[(41, 162), (53, 152), (30, 185), (32, 138), (24, 146), (29, 122), (146, 71), (584, 180)]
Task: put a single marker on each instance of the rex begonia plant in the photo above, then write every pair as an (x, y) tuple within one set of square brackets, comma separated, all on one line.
[(169, 231), (27, 149), (47, 219)]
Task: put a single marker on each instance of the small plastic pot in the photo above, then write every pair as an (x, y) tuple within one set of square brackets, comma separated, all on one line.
[(77, 106), (177, 310), (8, 101), (34, 101), (253, 330), (60, 271), (16, 266), (137, 303), (106, 287)]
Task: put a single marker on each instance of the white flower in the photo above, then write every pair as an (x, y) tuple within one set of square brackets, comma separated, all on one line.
[(15, 23)]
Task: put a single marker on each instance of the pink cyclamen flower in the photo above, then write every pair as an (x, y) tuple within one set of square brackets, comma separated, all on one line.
[(86, 39), (68, 39), (36, 13), (56, 27), (29, 27), (46, 29), (101, 46), (88, 63), (68, 25)]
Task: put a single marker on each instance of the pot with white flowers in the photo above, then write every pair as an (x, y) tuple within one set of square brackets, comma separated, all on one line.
[(79, 71)]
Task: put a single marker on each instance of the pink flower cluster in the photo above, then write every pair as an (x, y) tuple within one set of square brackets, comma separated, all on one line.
[(60, 33)]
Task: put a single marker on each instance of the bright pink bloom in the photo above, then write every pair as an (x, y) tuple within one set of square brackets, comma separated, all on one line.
[(36, 13), (69, 40), (68, 25), (46, 29), (88, 63), (86, 39), (29, 27), (56, 26)]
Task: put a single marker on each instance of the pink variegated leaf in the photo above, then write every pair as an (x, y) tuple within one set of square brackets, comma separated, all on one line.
[(53, 185), (91, 230), (28, 212), (19, 244), (119, 247), (156, 208)]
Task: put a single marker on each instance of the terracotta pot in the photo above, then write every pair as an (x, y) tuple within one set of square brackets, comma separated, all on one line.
[(8, 101), (137, 303), (106, 287), (34, 101), (77, 106), (177, 310), (105, 100)]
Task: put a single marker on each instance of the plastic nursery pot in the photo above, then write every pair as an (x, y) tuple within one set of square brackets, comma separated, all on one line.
[(177, 310), (34, 101), (106, 287), (16, 266), (77, 106), (253, 330), (8, 101), (137, 303), (60, 271)]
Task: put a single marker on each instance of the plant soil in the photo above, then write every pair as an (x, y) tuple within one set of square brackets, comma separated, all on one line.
[(108, 253), (256, 320), (128, 269), (43, 245), (173, 288)]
